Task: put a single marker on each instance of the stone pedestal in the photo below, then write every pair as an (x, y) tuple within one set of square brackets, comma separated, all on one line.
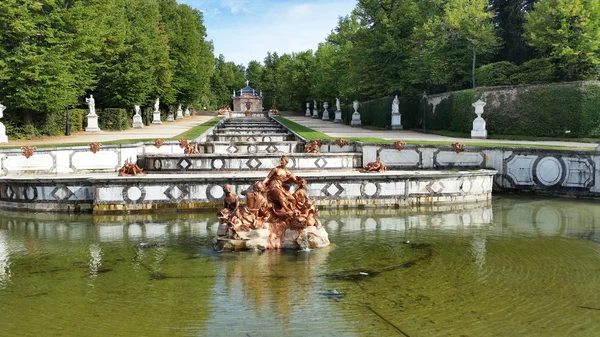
[(179, 113), (325, 112), (137, 122), (187, 112), (355, 116), (170, 117), (3, 136), (355, 119), (479, 130), (338, 117), (156, 117), (315, 113), (307, 110), (92, 123), (396, 121)]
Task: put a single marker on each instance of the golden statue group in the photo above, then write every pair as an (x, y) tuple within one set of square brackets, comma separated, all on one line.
[(273, 217)]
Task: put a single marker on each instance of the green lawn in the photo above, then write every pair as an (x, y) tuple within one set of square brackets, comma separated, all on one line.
[(190, 134), (311, 134)]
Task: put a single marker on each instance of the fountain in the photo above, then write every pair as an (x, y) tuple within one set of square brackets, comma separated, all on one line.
[(272, 218)]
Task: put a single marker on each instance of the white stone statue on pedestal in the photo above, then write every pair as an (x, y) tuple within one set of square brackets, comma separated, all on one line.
[(325, 112), (3, 136), (315, 110), (479, 130), (179, 112), (187, 112), (233, 93), (137, 118), (307, 114), (338, 111), (396, 117), (355, 116), (92, 118), (170, 116), (156, 112)]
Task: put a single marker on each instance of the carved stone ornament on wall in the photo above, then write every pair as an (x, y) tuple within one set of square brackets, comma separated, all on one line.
[(399, 145), (95, 147), (158, 143), (458, 147), (28, 151)]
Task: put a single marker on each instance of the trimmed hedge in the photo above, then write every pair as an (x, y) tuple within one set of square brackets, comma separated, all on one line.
[(566, 110), (114, 119), (54, 125)]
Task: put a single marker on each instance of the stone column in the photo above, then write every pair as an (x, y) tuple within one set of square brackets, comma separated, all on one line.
[(137, 118), (3, 136), (315, 110), (307, 110), (179, 112), (479, 130), (355, 116), (325, 112)]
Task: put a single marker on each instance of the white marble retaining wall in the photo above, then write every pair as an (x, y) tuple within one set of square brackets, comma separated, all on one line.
[(336, 190), (574, 173)]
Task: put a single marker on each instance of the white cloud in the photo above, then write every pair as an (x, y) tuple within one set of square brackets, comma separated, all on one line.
[(236, 6), (281, 28)]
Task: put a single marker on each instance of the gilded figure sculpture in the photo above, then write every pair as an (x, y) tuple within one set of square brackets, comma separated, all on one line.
[(188, 148), (313, 147), (158, 143), (130, 169), (271, 211), (340, 142), (376, 166)]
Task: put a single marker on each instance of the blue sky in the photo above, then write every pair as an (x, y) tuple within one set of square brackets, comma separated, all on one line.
[(245, 30)]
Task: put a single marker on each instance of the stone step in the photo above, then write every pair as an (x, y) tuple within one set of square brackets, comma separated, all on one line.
[(265, 137), (173, 163), (251, 147), (227, 131)]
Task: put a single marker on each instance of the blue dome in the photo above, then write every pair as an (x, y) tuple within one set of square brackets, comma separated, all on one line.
[(247, 90)]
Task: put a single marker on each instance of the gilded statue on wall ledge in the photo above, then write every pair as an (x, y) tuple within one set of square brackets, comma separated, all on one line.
[(313, 147), (188, 148), (130, 169), (94, 147), (376, 166), (273, 217), (28, 151)]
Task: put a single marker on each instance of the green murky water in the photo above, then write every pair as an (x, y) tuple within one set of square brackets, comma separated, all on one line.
[(516, 267)]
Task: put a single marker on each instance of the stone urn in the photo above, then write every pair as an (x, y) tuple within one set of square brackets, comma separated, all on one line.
[(356, 115)]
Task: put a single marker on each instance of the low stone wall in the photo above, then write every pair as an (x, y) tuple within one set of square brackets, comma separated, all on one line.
[(552, 172), (168, 192), (248, 162)]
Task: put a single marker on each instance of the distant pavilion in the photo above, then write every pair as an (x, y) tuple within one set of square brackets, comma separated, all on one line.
[(247, 99)]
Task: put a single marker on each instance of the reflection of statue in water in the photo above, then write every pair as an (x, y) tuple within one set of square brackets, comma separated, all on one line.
[(272, 217)]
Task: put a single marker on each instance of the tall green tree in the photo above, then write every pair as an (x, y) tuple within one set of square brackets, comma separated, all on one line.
[(509, 21), (567, 33)]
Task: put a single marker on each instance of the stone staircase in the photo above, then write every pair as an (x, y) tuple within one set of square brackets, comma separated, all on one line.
[(249, 144)]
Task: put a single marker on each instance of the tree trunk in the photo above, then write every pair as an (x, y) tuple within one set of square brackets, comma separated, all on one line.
[(473, 69)]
